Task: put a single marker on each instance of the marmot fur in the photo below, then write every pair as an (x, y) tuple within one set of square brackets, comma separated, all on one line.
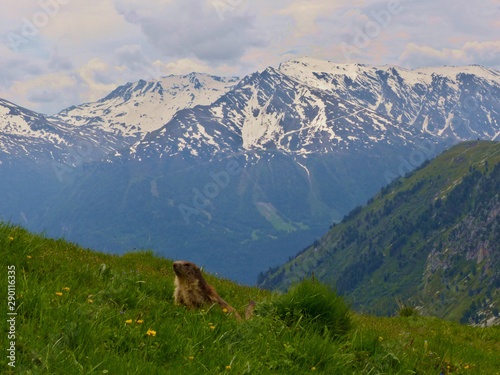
[(193, 291)]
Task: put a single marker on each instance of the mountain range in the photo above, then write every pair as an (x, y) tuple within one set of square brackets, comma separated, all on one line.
[(237, 174), (310, 106)]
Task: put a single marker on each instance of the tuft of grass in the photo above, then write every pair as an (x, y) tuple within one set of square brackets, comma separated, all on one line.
[(313, 305), (408, 311)]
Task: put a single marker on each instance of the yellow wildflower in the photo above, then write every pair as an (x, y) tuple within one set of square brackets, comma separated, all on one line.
[(128, 321), (150, 332), (224, 310), (59, 293), (191, 357), (11, 238), (228, 367), (138, 321), (29, 256), (66, 288), (212, 327), (314, 368), (90, 301), (466, 366)]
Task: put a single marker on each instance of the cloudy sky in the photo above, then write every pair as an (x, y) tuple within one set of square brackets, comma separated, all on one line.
[(58, 53)]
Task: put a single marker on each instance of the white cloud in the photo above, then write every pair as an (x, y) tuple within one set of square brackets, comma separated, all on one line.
[(185, 66), (92, 23), (482, 53), (192, 29), (41, 92), (306, 14), (99, 44), (91, 74)]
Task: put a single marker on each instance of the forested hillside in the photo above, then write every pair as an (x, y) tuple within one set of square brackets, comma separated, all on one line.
[(430, 239)]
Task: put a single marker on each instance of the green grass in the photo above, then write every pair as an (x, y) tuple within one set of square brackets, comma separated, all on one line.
[(81, 311)]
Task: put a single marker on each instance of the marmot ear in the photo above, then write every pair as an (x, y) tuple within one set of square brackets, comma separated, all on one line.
[(197, 271)]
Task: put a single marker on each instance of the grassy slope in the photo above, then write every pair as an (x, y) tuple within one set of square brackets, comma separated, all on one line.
[(369, 235), (100, 321)]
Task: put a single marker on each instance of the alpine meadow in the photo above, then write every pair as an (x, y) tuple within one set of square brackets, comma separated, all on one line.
[(83, 311)]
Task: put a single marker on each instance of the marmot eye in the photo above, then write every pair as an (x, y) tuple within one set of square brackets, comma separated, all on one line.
[(186, 265)]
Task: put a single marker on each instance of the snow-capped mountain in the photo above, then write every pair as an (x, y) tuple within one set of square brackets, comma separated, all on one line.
[(303, 107), (271, 111), (134, 109), (310, 106), (455, 102), (31, 136), (93, 130)]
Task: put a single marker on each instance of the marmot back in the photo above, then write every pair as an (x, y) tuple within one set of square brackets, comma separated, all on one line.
[(193, 291)]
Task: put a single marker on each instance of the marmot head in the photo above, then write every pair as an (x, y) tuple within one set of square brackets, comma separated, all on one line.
[(187, 270)]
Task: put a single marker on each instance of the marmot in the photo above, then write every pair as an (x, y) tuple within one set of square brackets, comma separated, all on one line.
[(193, 291)]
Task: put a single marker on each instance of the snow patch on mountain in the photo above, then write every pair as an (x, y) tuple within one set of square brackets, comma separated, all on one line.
[(17, 123), (135, 109), (40, 139)]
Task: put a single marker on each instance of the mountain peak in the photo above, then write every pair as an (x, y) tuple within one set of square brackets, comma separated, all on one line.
[(137, 108)]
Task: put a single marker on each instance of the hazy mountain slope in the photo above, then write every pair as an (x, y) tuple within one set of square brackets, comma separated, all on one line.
[(431, 238), (39, 155), (236, 223)]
